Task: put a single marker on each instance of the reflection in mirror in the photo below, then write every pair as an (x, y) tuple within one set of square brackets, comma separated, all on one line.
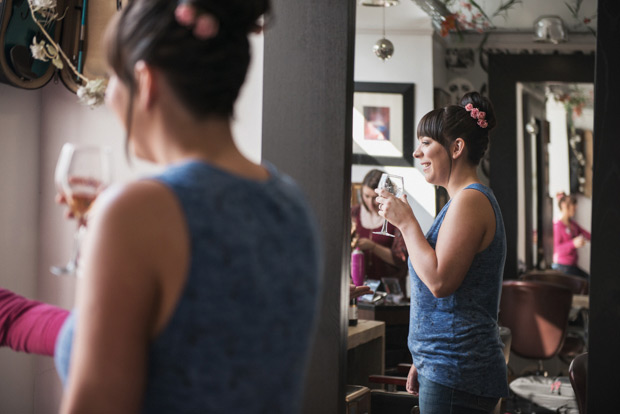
[(442, 67), (557, 124)]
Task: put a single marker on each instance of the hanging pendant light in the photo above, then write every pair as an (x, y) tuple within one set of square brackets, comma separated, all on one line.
[(384, 49), (550, 29)]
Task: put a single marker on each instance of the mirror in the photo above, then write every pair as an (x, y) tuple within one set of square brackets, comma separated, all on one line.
[(442, 68), (557, 120), (508, 173)]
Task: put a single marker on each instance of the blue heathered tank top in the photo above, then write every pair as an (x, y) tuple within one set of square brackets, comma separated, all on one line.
[(239, 337), (454, 341)]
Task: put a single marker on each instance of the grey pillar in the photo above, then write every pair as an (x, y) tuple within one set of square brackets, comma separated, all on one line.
[(603, 356), (307, 117)]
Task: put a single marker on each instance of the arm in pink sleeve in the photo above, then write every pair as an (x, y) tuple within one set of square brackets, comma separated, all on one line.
[(562, 242), (585, 233), (28, 325)]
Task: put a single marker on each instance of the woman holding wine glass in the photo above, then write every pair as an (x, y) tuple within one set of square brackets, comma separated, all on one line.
[(456, 268), (385, 255), (82, 172), (186, 272)]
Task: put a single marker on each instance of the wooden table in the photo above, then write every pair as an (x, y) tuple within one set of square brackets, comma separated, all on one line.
[(365, 351)]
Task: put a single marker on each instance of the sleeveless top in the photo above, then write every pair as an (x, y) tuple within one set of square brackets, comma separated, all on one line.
[(238, 339), (454, 341)]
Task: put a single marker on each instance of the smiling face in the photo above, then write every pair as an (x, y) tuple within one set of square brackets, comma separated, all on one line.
[(434, 160)]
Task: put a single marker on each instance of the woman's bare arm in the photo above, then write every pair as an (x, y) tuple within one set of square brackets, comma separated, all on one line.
[(129, 251)]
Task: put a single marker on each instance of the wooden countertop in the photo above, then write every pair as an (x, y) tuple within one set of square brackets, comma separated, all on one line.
[(365, 331)]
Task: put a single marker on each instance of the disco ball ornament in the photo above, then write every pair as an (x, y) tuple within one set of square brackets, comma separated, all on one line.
[(384, 49)]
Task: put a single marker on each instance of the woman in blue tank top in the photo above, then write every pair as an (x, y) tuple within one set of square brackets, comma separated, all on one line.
[(200, 284), (456, 268)]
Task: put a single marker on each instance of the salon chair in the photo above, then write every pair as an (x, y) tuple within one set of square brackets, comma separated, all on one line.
[(577, 285), (575, 342), (537, 314), (389, 396), (578, 372)]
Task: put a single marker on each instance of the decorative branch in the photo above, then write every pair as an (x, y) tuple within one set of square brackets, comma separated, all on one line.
[(575, 11), (471, 15), (504, 7)]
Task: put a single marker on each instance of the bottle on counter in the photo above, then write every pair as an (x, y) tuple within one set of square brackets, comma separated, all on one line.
[(357, 267), (353, 312)]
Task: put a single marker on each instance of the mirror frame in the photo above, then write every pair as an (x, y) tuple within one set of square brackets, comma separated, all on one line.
[(505, 71)]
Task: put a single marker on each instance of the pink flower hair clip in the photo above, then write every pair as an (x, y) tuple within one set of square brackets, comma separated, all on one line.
[(204, 25), (478, 115)]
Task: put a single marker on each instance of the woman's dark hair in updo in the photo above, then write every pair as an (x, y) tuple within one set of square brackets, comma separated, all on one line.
[(446, 124), (205, 74)]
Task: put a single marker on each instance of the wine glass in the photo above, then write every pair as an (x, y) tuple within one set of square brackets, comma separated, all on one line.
[(395, 185), (82, 172)]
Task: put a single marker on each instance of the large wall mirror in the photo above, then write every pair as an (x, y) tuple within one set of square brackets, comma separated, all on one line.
[(539, 148), (516, 88), (556, 155)]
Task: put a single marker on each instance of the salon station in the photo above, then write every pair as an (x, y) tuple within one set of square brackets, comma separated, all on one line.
[(342, 87)]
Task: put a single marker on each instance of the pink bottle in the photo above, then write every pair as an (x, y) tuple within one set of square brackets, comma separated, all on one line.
[(357, 267)]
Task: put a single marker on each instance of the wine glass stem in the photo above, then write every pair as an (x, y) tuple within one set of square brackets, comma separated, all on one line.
[(75, 250), (384, 228)]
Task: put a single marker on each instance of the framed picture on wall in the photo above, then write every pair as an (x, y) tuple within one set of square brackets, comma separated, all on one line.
[(383, 123)]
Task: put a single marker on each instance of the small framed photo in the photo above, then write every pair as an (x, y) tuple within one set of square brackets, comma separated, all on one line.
[(383, 123)]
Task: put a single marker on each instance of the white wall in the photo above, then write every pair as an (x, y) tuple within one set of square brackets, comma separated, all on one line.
[(19, 174), (34, 125), (412, 62)]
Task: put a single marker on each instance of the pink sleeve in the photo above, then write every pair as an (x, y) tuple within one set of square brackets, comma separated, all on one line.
[(562, 242), (585, 233), (28, 325)]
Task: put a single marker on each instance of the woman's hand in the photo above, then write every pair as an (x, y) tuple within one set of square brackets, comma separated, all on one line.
[(579, 241), (395, 210), (62, 199), (365, 244), (357, 291), (413, 386)]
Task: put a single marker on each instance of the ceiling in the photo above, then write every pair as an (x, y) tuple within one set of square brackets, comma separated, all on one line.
[(409, 16)]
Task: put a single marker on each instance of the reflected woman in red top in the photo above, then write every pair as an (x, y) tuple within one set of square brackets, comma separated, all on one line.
[(568, 236), (384, 256)]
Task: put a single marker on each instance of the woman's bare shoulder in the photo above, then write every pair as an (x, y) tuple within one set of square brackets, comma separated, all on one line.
[(141, 200)]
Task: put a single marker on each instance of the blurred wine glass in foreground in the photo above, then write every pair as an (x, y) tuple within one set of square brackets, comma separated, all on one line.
[(82, 172)]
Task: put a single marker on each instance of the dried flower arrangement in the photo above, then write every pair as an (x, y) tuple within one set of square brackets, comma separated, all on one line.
[(43, 13)]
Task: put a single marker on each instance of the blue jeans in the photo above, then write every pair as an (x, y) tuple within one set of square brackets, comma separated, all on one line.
[(439, 399), (571, 270)]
